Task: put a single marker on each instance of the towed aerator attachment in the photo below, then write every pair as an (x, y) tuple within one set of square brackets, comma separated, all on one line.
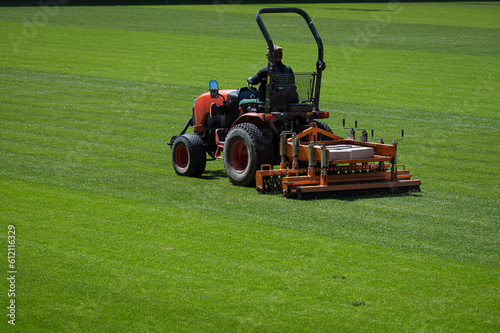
[(317, 161)]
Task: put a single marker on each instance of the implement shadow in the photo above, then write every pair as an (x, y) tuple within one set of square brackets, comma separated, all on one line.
[(354, 195)]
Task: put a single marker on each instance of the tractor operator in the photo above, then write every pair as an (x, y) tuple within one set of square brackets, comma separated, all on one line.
[(261, 76)]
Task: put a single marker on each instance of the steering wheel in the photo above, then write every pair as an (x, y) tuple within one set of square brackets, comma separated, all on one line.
[(252, 89)]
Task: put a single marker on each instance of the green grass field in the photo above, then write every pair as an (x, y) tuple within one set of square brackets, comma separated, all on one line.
[(110, 239)]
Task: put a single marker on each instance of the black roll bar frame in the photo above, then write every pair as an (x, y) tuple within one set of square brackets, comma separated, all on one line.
[(271, 65)]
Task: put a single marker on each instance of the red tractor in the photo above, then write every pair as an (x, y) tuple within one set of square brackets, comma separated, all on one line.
[(254, 130)]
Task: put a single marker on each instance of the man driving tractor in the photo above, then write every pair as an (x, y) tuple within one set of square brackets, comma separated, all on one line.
[(284, 73)]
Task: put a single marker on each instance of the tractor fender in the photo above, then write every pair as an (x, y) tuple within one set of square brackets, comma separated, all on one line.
[(252, 117)]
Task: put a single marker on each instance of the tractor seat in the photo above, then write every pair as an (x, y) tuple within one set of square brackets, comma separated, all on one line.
[(282, 95)]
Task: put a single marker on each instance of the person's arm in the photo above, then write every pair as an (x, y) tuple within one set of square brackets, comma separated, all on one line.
[(259, 77)]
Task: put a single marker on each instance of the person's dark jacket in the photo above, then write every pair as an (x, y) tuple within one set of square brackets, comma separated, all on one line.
[(261, 77)]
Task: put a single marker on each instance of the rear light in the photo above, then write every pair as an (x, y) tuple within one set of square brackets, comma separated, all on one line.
[(271, 117), (322, 114)]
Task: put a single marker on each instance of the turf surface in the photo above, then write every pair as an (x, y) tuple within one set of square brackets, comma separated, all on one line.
[(110, 239)]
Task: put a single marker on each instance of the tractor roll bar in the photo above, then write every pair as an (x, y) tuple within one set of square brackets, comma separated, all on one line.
[(320, 65)]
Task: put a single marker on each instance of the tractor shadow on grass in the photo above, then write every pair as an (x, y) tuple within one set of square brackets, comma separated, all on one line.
[(213, 174)]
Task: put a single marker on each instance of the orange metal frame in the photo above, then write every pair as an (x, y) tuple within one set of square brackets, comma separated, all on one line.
[(322, 175)]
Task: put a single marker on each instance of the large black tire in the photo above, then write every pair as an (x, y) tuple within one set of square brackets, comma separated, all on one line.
[(247, 147), (323, 126), (189, 155)]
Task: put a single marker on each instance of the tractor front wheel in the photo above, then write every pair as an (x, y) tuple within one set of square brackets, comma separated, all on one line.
[(245, 150), (189, 155)]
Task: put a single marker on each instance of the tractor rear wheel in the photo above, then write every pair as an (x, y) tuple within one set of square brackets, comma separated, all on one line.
[(323, 126), (245, 150), (189, 155)]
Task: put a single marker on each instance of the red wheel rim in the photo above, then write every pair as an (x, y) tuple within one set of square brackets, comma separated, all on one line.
[(181, 157), (239, 156)]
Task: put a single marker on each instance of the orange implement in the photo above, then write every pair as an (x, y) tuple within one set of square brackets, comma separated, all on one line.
[(315, 161)]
